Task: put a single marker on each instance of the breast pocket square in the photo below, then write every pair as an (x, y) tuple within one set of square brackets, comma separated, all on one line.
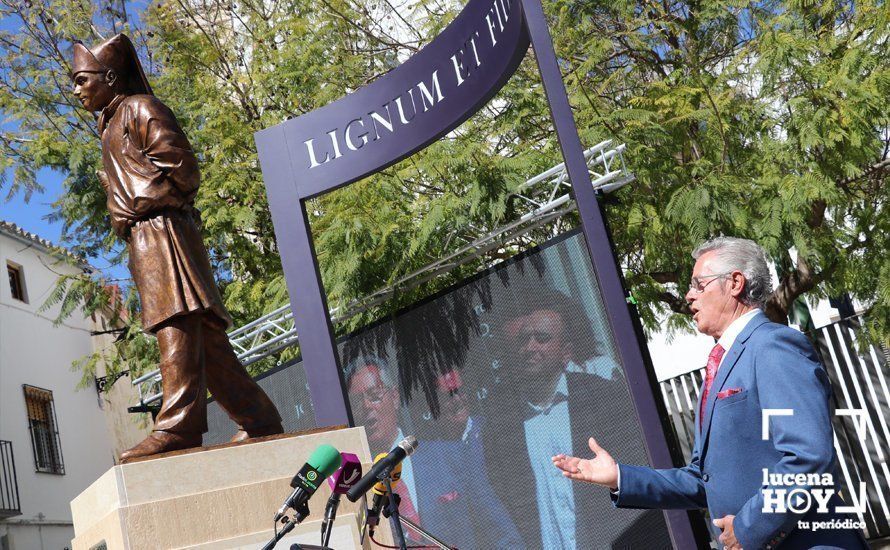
[(726, 393), (448, 497)]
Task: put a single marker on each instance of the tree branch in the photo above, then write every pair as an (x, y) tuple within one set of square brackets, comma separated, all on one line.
[(795, 283), (677, 303)]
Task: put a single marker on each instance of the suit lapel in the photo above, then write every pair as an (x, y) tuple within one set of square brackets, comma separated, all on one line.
[(732, 357)]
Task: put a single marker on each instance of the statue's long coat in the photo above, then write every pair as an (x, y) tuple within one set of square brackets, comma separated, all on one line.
[(151, 179)]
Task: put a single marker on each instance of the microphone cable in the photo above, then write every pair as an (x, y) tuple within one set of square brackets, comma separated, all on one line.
[(438, 544), (415, 547)]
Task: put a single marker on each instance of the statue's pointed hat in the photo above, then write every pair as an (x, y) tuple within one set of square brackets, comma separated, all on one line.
[(118, 54)]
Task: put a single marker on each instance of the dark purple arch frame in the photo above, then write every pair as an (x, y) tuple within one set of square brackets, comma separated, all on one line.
[(400, 113)]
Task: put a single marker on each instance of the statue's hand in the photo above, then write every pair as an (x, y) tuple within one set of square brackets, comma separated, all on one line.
[(103, 179), (121, 228)]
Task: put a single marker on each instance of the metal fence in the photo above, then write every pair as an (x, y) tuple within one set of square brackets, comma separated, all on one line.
[(859, 379), (681, 394), (9, 486)]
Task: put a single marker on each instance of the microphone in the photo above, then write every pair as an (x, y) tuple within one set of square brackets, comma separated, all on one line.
[(348, 474), (381, 495), (382, 467), (321, 464)]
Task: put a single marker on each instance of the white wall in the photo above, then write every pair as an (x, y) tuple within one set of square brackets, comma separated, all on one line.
[(34, 352), (682, 353), (126, 429)]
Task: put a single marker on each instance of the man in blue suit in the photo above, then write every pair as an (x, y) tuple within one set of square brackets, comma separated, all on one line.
[(454, 495), (740, 462)]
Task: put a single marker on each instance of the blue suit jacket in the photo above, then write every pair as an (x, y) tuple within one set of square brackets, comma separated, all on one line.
[(455, 499), (776, 368)]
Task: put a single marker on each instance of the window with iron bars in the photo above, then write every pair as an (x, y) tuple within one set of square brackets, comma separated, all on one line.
[(16, 282), (44, 430)]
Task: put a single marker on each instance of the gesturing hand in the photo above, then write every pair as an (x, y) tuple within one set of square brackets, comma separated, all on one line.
[(601, 469), (728, 536)]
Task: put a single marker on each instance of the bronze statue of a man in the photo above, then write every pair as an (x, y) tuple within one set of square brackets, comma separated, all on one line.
[(151, 178)]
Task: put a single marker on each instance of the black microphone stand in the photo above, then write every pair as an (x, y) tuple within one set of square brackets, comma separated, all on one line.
[(393, 508), (392, 512), (329, 514), (301, 513)]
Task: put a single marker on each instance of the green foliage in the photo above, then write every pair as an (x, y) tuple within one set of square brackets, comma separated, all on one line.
[(126, 348), (130, 350), (763, 120)]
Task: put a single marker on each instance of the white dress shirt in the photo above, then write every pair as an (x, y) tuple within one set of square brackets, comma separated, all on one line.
[(548, 432), (732, 332)]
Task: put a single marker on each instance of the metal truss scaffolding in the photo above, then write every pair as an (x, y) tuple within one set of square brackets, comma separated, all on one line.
[(548, 197)]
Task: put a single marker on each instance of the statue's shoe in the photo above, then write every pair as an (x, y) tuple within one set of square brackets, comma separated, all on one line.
[(262, 431), (161, 442)]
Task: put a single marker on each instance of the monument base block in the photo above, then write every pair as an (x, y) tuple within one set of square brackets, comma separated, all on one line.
[(220, 497)]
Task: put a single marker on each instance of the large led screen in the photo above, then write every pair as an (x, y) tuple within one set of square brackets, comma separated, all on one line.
[(494, 377)]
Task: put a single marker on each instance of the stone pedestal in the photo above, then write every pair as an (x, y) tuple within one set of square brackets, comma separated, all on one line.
[(221, 497)]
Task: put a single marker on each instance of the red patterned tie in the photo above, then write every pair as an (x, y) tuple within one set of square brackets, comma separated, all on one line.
[(710, 373)]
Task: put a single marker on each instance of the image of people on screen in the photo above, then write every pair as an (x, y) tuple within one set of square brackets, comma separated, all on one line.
[(444, 486), (374, 395), (552, 378), (500, 374), (456, 497)]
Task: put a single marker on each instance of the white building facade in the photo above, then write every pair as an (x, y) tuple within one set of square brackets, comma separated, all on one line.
[(54, 438)]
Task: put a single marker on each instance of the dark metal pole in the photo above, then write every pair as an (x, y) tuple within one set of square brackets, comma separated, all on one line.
[(633, 352), (393, 506), (307, 295)]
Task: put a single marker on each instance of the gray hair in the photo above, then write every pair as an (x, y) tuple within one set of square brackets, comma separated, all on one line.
[(734, 254), (387, 376)]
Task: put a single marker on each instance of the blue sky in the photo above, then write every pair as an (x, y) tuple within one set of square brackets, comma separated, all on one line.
[(31, 216)]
